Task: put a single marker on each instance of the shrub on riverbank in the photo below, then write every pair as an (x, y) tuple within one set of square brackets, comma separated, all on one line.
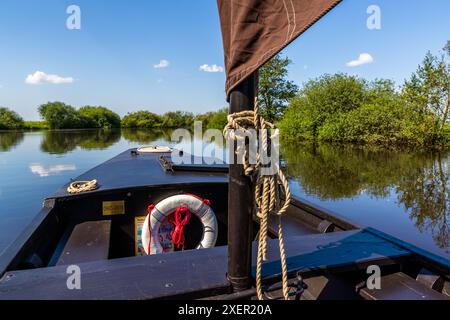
[(142, 119), (177, 119), (58, 115), (214, 119), (174, 120), (147, 119), (100, 117), (10, 120), (344, 108)]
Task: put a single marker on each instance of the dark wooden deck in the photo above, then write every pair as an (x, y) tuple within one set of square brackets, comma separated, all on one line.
[(202, 272), (338, 250), (398, 286), (137, 171)]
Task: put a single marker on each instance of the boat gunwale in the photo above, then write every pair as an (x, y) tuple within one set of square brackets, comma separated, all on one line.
[(424, 256)]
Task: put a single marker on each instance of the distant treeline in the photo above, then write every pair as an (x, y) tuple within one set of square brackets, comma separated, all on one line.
[(333, 108), (176, 119), (58, 115)]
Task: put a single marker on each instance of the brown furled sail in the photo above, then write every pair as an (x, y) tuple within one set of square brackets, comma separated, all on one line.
[(254, 31)]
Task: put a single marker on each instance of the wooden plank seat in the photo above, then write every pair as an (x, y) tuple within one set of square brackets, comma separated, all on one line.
[(399, 286), (89, 241)]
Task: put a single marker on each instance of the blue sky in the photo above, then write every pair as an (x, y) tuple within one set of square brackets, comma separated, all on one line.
[(111, 60)]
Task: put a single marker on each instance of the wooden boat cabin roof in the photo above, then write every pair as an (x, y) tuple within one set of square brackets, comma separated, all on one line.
[(132, 169)]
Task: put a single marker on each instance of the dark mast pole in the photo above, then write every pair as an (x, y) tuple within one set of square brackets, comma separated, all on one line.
[(240, 198)]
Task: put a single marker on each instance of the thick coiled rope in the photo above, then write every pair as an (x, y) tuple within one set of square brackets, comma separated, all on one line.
[(82, 186), (241, 125)]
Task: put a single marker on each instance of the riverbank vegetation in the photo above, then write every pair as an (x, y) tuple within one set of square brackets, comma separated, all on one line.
[(35, 125), (147, 119), (58, 115), (10, 120), (345, 108), (174, 120), (330, 108), (213, 120)]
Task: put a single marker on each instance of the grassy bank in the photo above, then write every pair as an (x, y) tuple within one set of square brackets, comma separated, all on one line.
[(35, 125)]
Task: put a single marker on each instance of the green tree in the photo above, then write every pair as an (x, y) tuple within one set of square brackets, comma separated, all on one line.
[(10, 120), (58, 115), (320, 99), (142, 119), (177, 119), (218, 119), (275, 90), (428, 90), (100, 117), (214, 119), (344, 108), (380, 118)]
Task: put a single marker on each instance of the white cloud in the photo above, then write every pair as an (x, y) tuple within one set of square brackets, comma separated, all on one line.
[(162, 64), (211, 68), (364, 58), (42, 171), (40, 77)]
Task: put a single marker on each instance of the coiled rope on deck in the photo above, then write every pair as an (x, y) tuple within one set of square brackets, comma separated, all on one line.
[(267, 199), (82, 186)]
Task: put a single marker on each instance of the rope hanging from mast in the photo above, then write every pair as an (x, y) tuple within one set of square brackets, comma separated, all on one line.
[(266, 186)]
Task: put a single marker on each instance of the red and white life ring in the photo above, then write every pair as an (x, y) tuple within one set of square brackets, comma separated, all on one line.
[(173, 208)]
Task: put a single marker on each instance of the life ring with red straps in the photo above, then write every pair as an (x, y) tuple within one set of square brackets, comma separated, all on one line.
[(178, 210)]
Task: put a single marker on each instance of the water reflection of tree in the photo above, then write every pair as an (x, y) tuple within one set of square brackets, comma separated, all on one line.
[(341, 171), (146, 136), (10, 139), (426, 194), (60, 142), (419, 177)]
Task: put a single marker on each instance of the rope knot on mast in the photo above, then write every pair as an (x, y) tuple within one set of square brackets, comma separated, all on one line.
[(268, 185)]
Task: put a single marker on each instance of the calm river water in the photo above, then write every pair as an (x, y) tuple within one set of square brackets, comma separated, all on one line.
[(405, 193)]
